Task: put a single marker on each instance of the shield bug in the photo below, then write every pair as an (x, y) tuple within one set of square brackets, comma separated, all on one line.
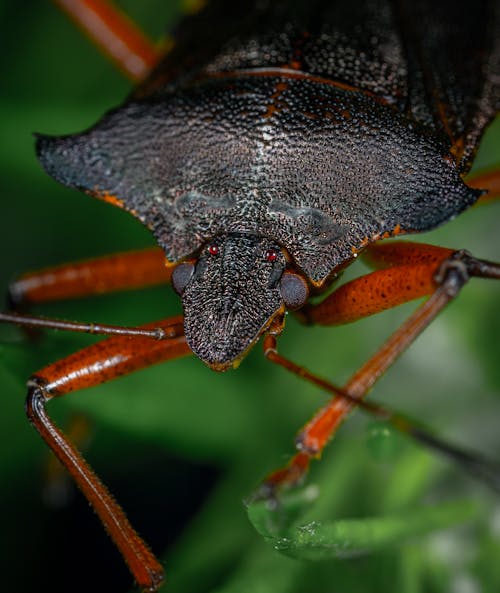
[(269, 147)]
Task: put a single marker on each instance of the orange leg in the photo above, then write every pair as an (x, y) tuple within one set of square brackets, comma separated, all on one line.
[(407, 273), (94, 365), (115, 34), (58, 485), (134, 269), (417, 270), (489, 180)]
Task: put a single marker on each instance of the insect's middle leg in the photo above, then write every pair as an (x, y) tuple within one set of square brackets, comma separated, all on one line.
[(408, 271), (94, 365)]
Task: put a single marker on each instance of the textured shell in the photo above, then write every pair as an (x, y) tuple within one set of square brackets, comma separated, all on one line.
[(311, 124)]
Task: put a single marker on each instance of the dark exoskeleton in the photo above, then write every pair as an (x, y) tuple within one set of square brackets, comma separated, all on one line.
[(309, 129)]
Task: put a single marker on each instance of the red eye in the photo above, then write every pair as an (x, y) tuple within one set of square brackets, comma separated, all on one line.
[(271, 255), (213, 249)]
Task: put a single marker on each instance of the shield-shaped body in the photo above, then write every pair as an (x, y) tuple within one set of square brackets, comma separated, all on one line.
[(281, 136)]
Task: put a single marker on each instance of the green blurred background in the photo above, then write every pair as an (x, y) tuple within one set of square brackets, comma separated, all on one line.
[(181, 446)]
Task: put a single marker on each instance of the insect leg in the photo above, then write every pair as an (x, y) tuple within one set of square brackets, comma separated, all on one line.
[(478, 466), (383, 289), (34, 323), (115, 35), (489, 180), (94, 365), (122, 271), (433, 271)]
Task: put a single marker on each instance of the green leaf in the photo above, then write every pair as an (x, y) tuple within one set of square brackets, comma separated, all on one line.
[(352, 537), (273, 518)]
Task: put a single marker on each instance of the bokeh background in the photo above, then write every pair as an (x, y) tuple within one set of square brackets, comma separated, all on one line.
[(181, 446)]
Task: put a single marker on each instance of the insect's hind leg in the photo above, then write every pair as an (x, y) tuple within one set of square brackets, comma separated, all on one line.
[(94, 365), (407, 271)]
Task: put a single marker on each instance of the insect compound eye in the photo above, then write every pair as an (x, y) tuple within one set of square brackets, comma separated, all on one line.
[(271, 255), (213, 249), (294, 290), (181, 277)]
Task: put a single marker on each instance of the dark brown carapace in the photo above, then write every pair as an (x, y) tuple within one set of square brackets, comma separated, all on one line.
[(271, 145)]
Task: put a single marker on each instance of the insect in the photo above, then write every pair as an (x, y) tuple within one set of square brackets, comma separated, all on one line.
[(265, 158)]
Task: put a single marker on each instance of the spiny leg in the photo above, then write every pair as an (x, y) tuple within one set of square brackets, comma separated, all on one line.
[(477, 465), (115, 35), (417, 270), (33, 323), (58, 486), (122, 271), (94, 365)]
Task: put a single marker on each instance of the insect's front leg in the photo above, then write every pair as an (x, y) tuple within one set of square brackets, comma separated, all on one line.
[(94, 365), (99, 275), (408, 271)]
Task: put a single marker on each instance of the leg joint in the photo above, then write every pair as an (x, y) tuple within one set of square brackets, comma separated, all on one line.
[(37, 397), (309, 447), (455, 272)]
